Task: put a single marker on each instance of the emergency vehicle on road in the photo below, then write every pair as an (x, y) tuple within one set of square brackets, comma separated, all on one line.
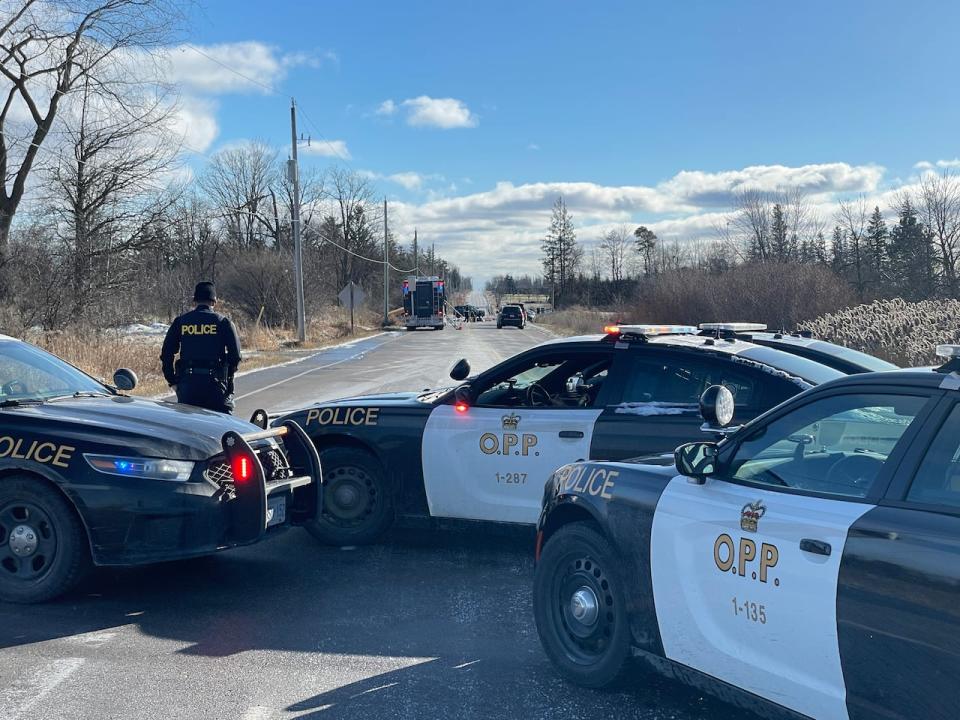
[(424, 303), (807, 565), (90, 476), (482, 451)]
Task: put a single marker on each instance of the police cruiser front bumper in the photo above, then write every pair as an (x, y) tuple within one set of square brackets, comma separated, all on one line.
[(261, 483)]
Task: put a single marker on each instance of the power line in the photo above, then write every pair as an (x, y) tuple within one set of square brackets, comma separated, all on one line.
[(320, 135), (236, 72)]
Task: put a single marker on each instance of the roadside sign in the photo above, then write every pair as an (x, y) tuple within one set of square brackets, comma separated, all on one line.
[(350, 297)]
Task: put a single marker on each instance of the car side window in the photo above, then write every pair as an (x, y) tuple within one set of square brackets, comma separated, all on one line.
[(562, 381), (837, 445), (937, 481), (664, 380)]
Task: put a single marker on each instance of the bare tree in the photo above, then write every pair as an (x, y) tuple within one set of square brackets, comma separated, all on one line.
[(356, 212), (751, 222), (938, 205), (852, 217), (614, 245), (240, 182), (47, 49), (105, 189)]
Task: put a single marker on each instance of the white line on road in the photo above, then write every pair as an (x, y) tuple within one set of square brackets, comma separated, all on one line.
[(20, 698), (258, 712)]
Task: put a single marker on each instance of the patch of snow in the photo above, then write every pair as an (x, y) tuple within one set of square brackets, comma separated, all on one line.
[(155, 328), (651, 409), (799, 382)]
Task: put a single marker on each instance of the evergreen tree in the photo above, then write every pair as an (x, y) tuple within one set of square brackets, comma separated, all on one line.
[(838, 252), (779, 243), (911, 255), (646, 245), (877, 237), (562, 255), (820, 249)]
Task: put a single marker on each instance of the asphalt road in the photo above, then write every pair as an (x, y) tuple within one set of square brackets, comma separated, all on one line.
[(427, 625)]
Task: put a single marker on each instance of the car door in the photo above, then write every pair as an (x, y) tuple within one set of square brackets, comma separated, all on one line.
[(897, 595), (490, 461), (745, 566)]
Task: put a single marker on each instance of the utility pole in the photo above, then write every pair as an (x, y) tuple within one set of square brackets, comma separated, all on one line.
[(386, 267), (433, 258), (416, 256), (293, 172)]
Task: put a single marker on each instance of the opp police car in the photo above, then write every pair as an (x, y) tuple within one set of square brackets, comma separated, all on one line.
[(482, 451), (91, 476), (808, 563)]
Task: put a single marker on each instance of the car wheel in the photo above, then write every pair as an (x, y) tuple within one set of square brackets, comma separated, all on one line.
[(43, 546), (579, 607), (357, 502), (499, 326)]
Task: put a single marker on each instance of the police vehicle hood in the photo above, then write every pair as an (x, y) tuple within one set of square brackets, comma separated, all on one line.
[(146, 427), (380, 400)]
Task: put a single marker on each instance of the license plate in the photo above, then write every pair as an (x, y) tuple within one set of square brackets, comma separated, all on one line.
[(276, 511)]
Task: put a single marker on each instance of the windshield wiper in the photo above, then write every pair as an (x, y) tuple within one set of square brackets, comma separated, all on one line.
[(78, 394), (19, 402)]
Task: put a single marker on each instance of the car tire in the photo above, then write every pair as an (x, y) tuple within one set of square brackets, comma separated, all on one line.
[(499, 326), (578, 573), (44, 550), (357, 504)]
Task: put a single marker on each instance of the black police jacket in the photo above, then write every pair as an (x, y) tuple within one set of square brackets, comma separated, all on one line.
[(204, 339)]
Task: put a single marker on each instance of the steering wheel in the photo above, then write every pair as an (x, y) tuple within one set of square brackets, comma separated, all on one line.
[(537, 396), (14, 387), (857, 471)]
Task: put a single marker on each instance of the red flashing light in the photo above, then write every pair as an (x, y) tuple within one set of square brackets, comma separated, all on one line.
[(611, 329), (461, 407), (242, 468)]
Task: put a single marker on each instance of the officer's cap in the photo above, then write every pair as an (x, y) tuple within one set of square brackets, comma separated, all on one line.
[(205, 292)]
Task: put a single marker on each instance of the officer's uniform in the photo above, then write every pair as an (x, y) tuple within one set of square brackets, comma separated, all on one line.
[(209, 355)]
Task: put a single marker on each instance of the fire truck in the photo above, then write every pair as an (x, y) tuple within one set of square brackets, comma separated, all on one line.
[(423, 303)]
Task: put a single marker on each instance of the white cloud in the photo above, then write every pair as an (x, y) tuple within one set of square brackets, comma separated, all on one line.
[(499, 230), (425, 111), (926, 165), (533, 146), (325, 148), (248, 66)]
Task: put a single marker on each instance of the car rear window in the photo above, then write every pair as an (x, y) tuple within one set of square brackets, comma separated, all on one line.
[(511, 312)]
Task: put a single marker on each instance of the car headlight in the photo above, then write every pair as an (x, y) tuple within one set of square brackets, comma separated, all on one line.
[(146, 468)]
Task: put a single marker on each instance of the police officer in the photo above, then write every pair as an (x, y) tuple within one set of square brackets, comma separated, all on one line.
[(209, 354)]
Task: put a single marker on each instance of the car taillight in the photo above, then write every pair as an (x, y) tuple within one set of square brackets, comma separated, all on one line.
[(242, 468), (461, 407)]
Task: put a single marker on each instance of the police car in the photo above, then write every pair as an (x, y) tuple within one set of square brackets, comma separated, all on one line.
[(482, 451), (807, 565), (802, 343), (89, 475)]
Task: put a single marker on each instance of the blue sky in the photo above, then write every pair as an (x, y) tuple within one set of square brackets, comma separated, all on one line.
[(636, 112)]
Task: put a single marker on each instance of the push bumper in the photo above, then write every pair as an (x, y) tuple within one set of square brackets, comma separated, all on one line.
[(160, 521)]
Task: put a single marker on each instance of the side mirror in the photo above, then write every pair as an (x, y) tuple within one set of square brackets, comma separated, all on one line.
[(697, 460), (717, 406), (460, 370), (124, 379)]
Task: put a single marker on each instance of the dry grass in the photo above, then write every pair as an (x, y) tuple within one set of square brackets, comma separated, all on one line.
[(577, 321), (902, 332), (100, 352)]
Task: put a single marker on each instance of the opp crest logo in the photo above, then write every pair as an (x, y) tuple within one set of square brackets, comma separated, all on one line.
[(750, 515), (511, 421)]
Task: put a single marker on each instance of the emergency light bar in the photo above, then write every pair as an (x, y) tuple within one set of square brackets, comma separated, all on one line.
[(948, 351), (735, 327), (649, 330)]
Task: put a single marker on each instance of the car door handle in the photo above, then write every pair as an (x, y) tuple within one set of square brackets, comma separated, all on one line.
[(571, 433), (817, 547)]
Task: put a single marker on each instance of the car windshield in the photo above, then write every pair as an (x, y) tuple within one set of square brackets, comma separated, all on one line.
[(29, 373)]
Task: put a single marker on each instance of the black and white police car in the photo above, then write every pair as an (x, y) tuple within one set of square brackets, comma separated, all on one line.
[(806, 565), (90, 476), (482, 451)]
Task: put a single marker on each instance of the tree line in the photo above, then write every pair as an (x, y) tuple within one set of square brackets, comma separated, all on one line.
[(772, 245)]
